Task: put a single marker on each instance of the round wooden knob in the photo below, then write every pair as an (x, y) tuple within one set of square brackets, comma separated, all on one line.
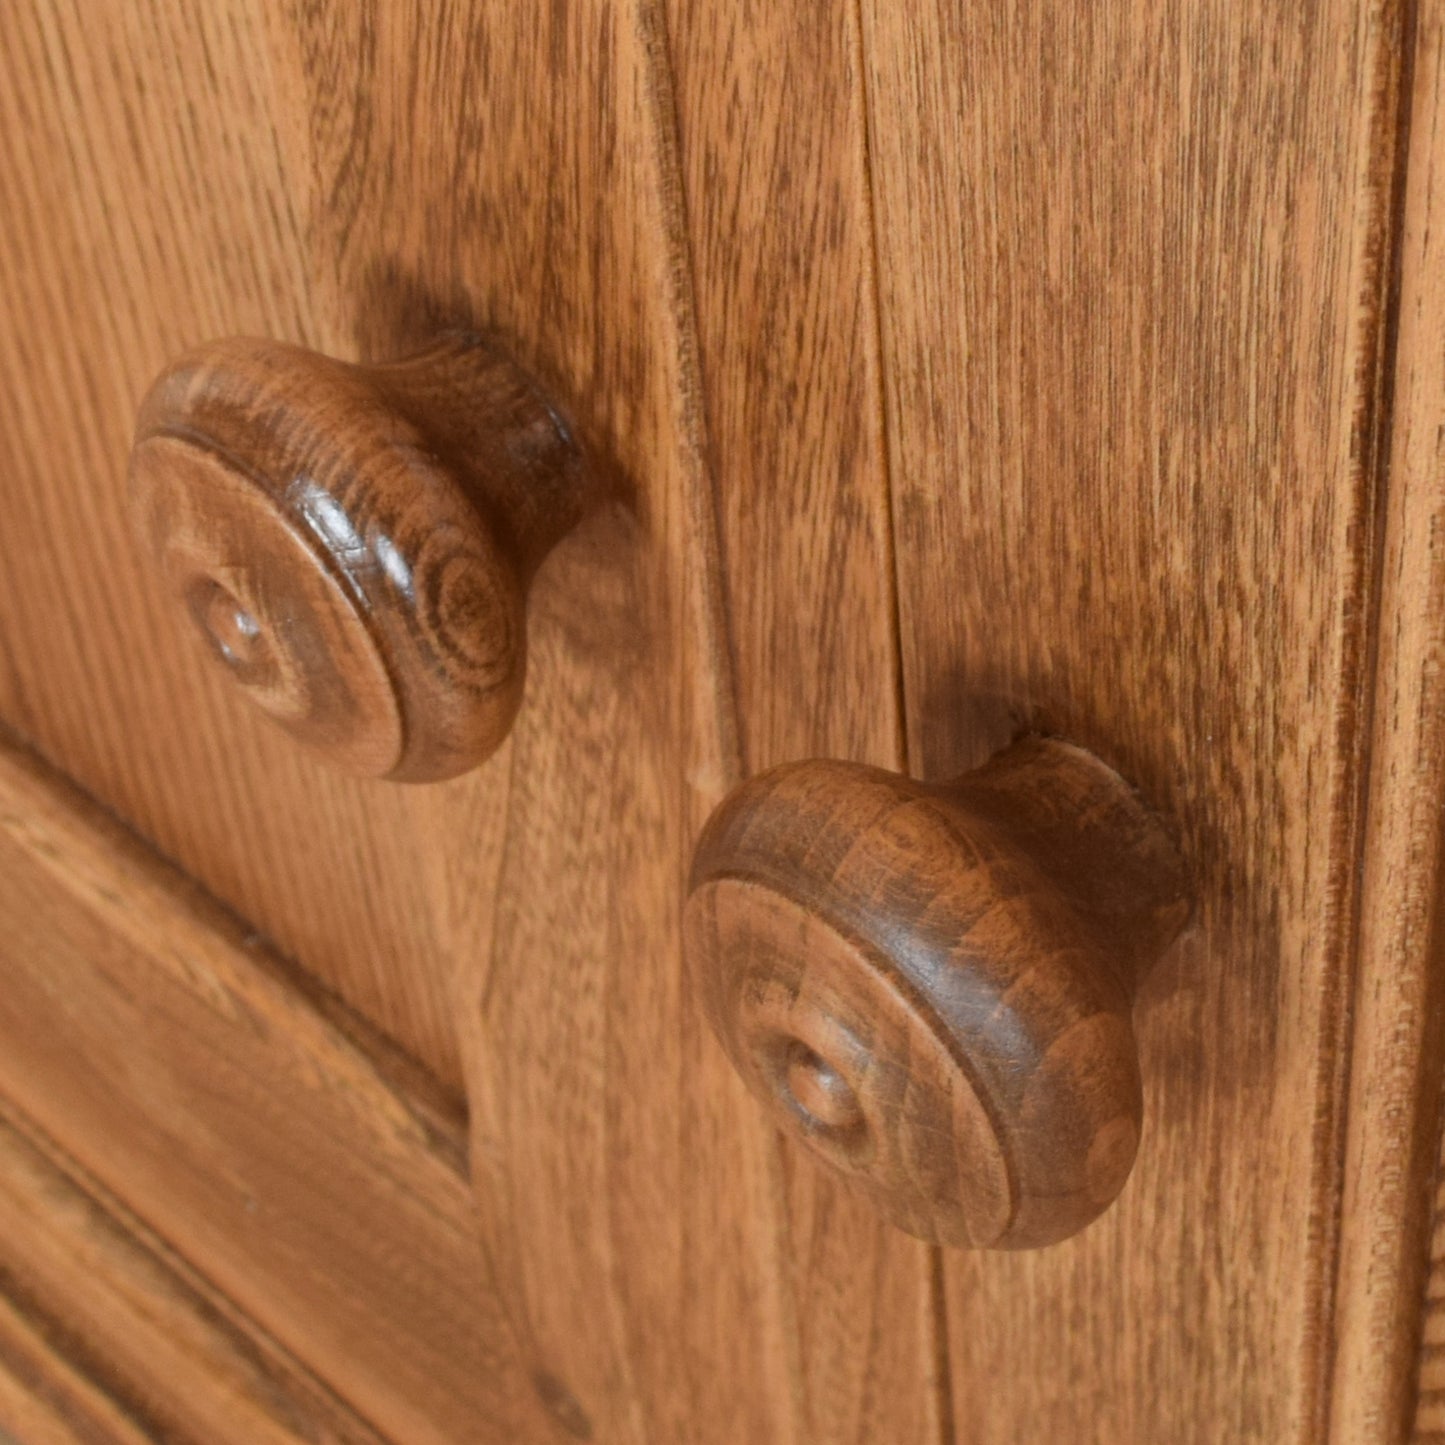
[(353, 544), (931, 986)]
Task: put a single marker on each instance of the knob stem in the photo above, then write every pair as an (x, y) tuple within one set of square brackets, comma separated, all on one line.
[(516, 456), (1092, 838)]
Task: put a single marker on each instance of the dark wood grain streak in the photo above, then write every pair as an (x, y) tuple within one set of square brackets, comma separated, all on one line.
[(353, 545), (127, 1311), (45, 1399)]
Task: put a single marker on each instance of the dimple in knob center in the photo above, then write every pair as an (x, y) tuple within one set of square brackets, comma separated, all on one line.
[(822, 1094), (232, 631)]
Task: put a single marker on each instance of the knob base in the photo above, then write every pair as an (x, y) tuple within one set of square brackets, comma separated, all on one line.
[(1093, 838)]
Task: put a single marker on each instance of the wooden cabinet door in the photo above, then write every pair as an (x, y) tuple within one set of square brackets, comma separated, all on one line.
[(353, 178), (958, 370)]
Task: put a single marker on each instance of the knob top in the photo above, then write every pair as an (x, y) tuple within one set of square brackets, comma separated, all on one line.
[(931, 986), (353, 544)]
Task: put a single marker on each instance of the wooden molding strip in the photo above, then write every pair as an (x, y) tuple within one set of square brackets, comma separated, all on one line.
[(46, 1400), (145, 1031), (102, 1320), (1395, 1067)]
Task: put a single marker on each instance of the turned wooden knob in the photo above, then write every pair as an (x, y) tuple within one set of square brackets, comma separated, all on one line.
[(353, 544), (931, 985)]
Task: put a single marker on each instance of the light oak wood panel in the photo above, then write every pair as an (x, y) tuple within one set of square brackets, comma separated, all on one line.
[(152, 1036), (126, 1308), (1132, 266), (360, 180), (773, 158), (617, 1160)]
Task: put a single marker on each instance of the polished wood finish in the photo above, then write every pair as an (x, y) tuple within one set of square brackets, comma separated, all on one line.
[(1109, 422), (140, 1025), (178, 1358), (931, 985), (354, 544), (324, 203), (517, 928)]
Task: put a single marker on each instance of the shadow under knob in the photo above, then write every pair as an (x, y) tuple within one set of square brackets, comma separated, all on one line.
[(353, 544), (931, 985)]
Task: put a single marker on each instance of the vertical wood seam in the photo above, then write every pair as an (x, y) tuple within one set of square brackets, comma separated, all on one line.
[(704, 505), (705, 539), (942, 1353), (938, 1315), (885, 455)]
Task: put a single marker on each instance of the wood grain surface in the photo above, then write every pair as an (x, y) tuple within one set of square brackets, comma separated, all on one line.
[(617, 1160), (364, 179), (166, 233), (148, 1031), (325, 202), (1133, 265), (180, 1360), (1081, 313)]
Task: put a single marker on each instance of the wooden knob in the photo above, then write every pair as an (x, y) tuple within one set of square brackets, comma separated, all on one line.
[(931, 985), (353, 544)]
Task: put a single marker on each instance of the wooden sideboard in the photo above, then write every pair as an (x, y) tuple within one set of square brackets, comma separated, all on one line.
[(945, 374)]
